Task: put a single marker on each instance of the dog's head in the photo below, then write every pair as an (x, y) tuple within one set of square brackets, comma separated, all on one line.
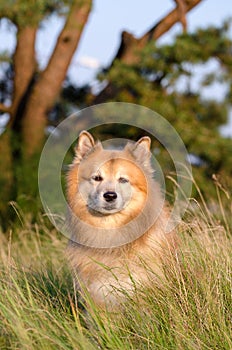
[(107, 182)]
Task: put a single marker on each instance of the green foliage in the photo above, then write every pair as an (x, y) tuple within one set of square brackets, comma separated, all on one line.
[(26, 13), (155, 83)]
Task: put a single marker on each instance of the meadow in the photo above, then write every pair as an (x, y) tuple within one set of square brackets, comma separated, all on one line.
[(191, 309)]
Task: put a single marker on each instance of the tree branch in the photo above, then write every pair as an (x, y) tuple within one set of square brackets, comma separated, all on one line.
[(181, 7), (52, 77), (167, 22), (48, 86), (130, 45)]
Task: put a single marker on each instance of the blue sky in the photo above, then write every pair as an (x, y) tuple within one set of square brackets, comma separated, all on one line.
[(101, 36), (108, 18)]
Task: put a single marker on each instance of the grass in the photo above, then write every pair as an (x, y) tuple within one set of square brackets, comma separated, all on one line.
[(192, 310)]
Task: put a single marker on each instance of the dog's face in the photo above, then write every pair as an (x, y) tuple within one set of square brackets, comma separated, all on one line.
[(108, 186), (105, 182)]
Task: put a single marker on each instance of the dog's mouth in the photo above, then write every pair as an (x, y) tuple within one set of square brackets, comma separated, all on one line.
[(107, 210), (111, 209)]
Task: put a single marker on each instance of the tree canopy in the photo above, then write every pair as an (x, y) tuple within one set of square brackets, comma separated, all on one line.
[(142, 71), (154, 80)]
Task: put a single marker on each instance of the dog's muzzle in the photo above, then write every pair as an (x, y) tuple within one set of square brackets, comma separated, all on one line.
[(110, 196)]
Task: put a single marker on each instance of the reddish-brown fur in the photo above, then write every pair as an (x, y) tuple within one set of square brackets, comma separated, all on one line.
[(106, 271)]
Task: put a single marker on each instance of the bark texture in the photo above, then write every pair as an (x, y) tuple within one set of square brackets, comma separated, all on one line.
[(34, 94), (24, 70), (47, 88)]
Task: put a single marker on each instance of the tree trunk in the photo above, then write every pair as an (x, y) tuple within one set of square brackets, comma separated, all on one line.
[(33, 99), (6, 175), (24, 70), (47, 88)]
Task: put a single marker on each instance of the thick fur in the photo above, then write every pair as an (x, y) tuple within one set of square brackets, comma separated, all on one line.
[(115, 246)]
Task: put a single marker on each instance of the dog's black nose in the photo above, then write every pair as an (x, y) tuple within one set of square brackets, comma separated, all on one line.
[(110, 196)]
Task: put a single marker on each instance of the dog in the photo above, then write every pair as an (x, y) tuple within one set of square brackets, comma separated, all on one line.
[(116, 220)]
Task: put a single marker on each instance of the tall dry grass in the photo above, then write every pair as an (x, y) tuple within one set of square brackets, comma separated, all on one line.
[(192, 309)]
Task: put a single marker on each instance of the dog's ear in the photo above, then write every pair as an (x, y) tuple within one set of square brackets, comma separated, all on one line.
[(145, 142), (85, 144), (141, 150)]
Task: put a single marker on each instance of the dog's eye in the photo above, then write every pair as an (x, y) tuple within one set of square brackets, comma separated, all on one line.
[(123, 180), (97, 178)]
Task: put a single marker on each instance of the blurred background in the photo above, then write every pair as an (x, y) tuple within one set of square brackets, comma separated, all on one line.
[(57, 57)]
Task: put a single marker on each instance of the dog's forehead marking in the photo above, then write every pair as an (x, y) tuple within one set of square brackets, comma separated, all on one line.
[(108, 167), (119, 166), (110, 163)]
